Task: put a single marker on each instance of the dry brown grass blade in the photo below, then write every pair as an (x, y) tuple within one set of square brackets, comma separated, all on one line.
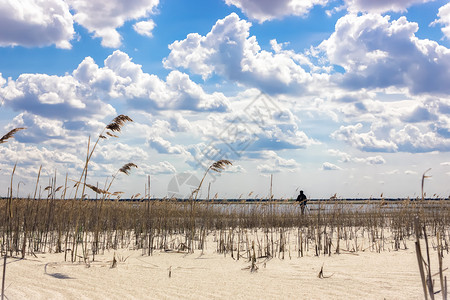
[(110, 134), (127, 167), (10, 134)]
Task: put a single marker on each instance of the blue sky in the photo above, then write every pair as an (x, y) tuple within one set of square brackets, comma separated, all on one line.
[(344, 97)]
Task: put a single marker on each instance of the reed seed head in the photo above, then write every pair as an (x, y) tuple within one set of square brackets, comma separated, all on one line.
[(96, 189), (10, 134), (127, 167), (220, 165), (118, 122)]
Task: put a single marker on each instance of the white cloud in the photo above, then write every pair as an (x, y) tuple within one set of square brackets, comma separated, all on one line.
[(191, 96), (229, 51), (380, 6), (406, 124), (57, 106), (444, 19), (412, 139), (144, 28), (408, 138), (327, 166), (378, 53), (275, 164), (375, 160), (39, 128), (53, 97), (103, 17), (2, 80), (178, 123), (345, 157), (235, 169), (254, 122), (163, 167), (121, 78), (30, 157), (419, 114), (159, 127), (163, 146), (363, 141), (409, 172), (266, 10), (35, 23), (119, 153)]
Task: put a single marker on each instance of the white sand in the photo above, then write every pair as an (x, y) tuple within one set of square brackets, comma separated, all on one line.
[(364, 275)]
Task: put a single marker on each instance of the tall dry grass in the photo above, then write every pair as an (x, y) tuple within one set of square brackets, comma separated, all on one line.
[(252, 231), (49, 225)]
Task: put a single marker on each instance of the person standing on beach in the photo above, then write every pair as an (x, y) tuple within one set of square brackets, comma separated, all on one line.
[(302, 199)]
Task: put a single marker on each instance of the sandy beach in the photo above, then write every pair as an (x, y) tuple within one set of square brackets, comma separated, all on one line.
[(170, 275)]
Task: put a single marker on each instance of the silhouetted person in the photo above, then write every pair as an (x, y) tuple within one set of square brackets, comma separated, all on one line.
[(302, 199)]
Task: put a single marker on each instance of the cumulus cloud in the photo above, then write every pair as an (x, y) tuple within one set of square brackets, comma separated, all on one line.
[(378, 53), (254, 123), (381, 6), (144, 28), (102, 18), (163, 167), (364, 141), (73, 102), (375, 160), (33, 156), (53, 97), (409, 138), (407, 124), (444, 19), (275, 164), (235, 169), (442, 126), (267, 10), (178, 123), (39, 128), (163, 146), (36, 23), (229, 51), (327, 166), (121, 78), (345, 157), (119, 153), (413, 139), (419, 114)]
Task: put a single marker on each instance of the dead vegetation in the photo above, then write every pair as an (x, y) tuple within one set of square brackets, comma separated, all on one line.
[(255, 232)]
